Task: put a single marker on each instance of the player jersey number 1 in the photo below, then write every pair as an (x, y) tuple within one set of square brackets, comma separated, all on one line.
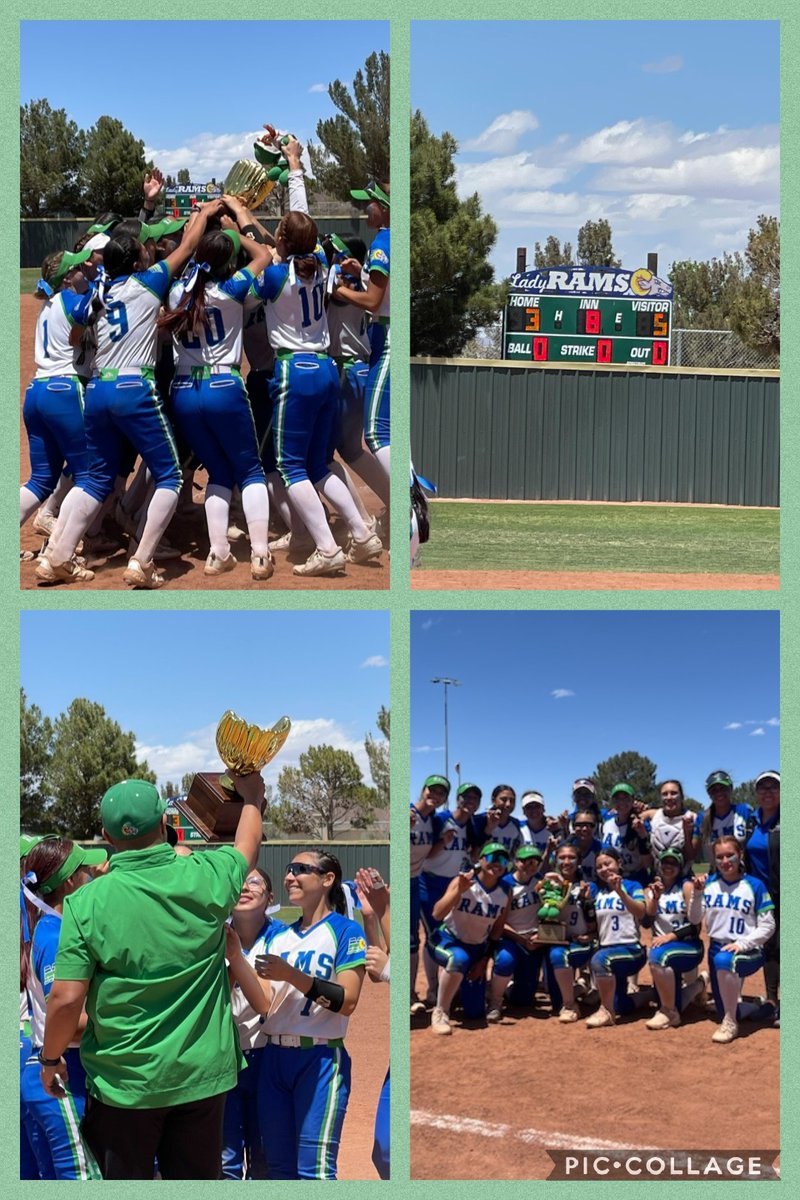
[(214, 332), (316, 302)]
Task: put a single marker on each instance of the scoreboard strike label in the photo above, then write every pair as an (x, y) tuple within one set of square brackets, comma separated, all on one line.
[(577, 314)]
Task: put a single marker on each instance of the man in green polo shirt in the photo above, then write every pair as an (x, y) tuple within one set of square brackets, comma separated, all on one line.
[(144, 948)]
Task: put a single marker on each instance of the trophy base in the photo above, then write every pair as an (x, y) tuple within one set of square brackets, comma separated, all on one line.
[(212, 806), (553, 934)]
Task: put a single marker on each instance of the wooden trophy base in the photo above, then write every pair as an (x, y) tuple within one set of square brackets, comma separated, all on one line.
[(212, 806), (552, 934)]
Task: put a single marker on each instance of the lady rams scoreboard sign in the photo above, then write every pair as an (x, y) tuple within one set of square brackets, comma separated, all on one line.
[(588, 314)]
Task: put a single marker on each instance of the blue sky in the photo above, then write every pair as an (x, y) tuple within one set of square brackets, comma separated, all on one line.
[(668, 129), (168, 677), (546, 696), (177, 86)]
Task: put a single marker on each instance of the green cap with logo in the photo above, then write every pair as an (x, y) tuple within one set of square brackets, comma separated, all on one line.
[(437, 781), (719, 777), (625, 788), (468, 787), (130, 809), (494, 848), (671, 853), (529, 852)]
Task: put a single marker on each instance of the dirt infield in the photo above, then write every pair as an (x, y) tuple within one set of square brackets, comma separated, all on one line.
[(368, 1045), (187, 533), (587, 581), (568, 1087)]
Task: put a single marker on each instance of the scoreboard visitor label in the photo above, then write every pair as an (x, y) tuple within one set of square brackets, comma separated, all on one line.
[(588, 314)]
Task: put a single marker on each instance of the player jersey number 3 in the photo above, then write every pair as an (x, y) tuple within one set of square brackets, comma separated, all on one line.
[(315, 304)]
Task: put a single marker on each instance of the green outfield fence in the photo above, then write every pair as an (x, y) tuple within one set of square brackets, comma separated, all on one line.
[(40, 236), (516, 431)]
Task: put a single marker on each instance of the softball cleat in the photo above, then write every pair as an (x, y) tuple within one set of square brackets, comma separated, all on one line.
[(665, 1018), (262, 567), (322, 564), (142, 575), (600, 1019), (359, 552), (71, 571), (219, 566), (440, 1022), (727, 1031)]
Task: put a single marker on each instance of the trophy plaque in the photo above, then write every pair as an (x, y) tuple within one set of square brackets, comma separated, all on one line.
[(552, 933), (212, 805)]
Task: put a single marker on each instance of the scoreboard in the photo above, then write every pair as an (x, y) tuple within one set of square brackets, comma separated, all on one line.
[(184, 197), (588, 314)]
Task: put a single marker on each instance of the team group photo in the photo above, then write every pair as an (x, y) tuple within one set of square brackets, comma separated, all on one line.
[(621, 917), (205, 349)]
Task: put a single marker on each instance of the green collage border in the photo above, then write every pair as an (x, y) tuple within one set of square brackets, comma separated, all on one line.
[(88, 73)]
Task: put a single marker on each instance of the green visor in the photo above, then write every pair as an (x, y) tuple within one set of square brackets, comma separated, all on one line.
[(77, 857), (68, 261), (172, 224), (372, 191)]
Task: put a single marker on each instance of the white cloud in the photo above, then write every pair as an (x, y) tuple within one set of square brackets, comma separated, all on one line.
[(549, 203), (748, 170), (427, 749), (733, 725), (665, 66), (319, 87), (773, 721), (209, 155), (505, 172), (375, 660), (198, 752), (625, 142), (757, 732), (653, 206), (504, 132), (429, 623), (561, 693)]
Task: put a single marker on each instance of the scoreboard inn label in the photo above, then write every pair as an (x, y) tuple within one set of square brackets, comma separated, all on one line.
[(589, 314)]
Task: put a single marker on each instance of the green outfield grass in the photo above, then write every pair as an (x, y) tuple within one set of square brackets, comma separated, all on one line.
[(603, 537), (28, 278)]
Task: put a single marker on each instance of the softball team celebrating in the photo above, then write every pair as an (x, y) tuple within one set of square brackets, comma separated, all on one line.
[(585, 900), (139, 344), (284, 1118)]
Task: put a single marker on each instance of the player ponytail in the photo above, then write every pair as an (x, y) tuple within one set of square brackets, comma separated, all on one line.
[(215, 259), (336, 896), (299, 236), (50, 268)]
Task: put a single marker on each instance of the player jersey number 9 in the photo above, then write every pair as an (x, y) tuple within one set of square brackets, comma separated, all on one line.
[(117, 316), (214, 331), (316, 300)]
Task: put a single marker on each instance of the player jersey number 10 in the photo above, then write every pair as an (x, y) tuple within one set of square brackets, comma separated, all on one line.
[(213, 332), (316, 303)]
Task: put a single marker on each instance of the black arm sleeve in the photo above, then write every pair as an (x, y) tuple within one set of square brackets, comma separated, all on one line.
[(327, 994)]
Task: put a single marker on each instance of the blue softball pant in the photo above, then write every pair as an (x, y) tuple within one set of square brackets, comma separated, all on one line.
[(524, 965), (679, 957), (575, 955), (306, 402), (415, 915), (457, 957), (431, 889), (621, 962), (377, 413), (380, 1146), (53, 416), (349, 429), (55, 1123), (122, 409), (242, 1152), (726, 960), (214, 416), (302, 1101), (28, 1132)]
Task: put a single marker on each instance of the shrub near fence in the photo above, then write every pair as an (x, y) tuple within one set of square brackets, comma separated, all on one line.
[(508, 431)]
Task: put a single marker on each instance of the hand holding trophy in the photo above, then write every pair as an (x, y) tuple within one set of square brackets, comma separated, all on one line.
[(213, 804)]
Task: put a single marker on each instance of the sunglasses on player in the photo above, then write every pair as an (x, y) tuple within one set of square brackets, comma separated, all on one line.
[(295, 868)]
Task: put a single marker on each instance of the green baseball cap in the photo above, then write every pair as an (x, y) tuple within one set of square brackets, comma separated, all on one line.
[(672, 853), (623, 787), (172, 224), (529, 852), (494, 848), (468, 787), (719, 777), (437, 781), (77, 857), (372, 191), (130, 809)]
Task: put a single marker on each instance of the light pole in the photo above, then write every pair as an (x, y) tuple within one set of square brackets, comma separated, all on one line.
[(447, 683)]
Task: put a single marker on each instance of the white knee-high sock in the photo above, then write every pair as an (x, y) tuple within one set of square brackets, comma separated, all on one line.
[(413, 968), (664, 979), (28, 504), (565, 978), (730, 988), (218, 510), (97, 521), (347, 479), (160, 512), (77, 512), (255, 503), (497, 988), (56, 498), (335, 490), (448, 986), (382, 456), (367, 467), (304, 499), (279, 499), (431, 971)]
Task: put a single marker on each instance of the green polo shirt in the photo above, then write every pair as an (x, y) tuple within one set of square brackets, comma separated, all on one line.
[(149, 937)]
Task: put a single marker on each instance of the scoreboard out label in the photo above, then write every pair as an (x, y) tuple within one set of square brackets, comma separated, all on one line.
[(589, 314)]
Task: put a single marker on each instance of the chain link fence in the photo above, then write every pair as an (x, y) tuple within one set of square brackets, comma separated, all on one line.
[(719, 348)]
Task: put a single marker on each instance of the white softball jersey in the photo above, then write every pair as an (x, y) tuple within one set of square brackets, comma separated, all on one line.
[(126, 326), (333, 945), (476, 911), (741, 911), (615, 924), (58, 315)]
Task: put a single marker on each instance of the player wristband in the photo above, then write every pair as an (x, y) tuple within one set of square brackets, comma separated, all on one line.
[(252, 232), (47, 1062), (326, 994)]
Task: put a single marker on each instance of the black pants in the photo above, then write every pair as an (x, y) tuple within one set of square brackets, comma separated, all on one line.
[(186, 1139)]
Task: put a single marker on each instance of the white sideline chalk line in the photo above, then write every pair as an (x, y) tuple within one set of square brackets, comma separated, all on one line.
[(532, 1137)]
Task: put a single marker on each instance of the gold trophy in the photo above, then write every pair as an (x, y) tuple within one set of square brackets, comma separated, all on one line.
[(212, 804), (249, 182)]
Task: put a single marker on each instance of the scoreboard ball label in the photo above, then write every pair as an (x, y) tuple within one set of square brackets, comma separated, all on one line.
[(579, 314)]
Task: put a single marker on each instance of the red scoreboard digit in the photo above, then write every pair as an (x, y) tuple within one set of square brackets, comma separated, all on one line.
[(604, 350), (660, 354), (540, 349)]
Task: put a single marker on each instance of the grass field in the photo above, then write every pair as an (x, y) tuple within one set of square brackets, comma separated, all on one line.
[(603, 537), (28, 278)]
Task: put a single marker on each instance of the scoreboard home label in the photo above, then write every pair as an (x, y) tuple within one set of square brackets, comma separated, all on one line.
[(588, 314)]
